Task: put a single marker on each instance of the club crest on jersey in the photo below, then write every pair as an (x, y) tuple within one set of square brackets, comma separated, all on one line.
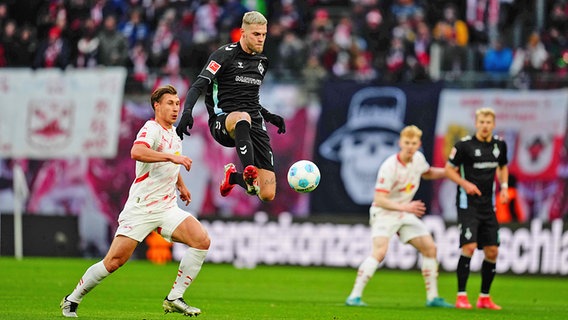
[(496, 151), (477, 153), (213, 66), (260, 68)]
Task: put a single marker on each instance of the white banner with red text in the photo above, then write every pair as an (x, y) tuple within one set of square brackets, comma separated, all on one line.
[(50, 113)]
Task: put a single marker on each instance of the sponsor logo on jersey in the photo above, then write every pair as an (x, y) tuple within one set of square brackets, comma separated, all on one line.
[(213, 66), (248, 80), (485, 165), (240, 65)]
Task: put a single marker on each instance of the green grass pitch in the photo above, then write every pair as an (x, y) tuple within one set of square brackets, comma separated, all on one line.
[(33, 287)]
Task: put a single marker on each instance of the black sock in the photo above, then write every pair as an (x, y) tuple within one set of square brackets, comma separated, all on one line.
[(237, 178), (463, 272), (243, 143), (487, 275)]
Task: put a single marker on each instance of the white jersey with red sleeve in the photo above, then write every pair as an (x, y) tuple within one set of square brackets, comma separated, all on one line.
[(155, 183), (400, 181)]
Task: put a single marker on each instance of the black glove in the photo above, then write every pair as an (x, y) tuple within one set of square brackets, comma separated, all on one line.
[(185, 123), (275, 119)]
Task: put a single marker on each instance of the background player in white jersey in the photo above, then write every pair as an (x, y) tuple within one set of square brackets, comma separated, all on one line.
[(152, 205), (394, 212)]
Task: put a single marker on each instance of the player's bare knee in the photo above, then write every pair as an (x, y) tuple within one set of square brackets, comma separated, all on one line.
[(113, 264), (266, 196), (203, 242), (468, 250)]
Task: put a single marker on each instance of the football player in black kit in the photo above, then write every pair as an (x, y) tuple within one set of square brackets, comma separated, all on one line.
[(231, 79), (472, 164)]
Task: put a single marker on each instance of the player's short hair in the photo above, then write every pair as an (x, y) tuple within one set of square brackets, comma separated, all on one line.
[(411, 131), (160, 92), (484, 112), (253, 17)]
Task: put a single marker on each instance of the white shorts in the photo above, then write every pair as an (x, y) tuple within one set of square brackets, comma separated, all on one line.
[(385, 224), (136, 223)]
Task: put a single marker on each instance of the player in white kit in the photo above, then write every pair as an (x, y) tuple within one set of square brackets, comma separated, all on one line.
[(395, 212), (152, 205)]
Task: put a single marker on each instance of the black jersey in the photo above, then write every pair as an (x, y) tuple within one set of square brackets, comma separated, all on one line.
[(234, 80), (477, 162)]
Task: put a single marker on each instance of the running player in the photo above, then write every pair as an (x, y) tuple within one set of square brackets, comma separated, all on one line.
[(394, 212), (152, 205)]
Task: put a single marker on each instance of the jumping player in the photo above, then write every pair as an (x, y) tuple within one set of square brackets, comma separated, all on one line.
[(231, 79)]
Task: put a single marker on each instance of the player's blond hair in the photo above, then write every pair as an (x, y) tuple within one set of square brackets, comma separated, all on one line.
[(411, 131), (484, 112), (253, 17), (161, 91)]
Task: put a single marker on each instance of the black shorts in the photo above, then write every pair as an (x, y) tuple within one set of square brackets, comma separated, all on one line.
[(478, 226), (263, 156)]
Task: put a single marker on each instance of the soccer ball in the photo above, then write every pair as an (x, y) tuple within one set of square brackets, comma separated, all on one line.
[(303, 176)]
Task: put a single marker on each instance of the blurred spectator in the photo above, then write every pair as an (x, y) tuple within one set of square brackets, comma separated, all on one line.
[(421, 52), (452, 34), (9, 42), (313, 74), (404, 9), (320, 32), (113, 46), (26, 47), (135, 29), (476, 17), (3, 14), (138, 59), (555, 43), (396, 60), (497, 62), (205, 23), (161, 42), (292, 54), (530, 59), (559, 17), (290, 17), (88, 46), (376, 34), (361, 64), (272, 47), (230, 18), (343, 33), (52, 52)]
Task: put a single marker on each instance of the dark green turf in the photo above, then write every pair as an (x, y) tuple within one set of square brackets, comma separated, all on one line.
[(33, 287)]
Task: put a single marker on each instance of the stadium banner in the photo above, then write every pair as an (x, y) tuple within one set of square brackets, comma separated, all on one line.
[(50, 113), (532, 248), (533, 123), (358, 128)]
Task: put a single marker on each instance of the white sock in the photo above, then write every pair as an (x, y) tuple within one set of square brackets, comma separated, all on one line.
[(189, 268), (430, 275), (364, 274), (92, 277)]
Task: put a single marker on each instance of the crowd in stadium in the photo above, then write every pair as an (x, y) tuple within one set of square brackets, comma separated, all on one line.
[(392, 41)]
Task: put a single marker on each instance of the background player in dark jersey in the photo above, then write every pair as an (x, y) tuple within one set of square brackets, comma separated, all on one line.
[(231, 79), (472, 164)]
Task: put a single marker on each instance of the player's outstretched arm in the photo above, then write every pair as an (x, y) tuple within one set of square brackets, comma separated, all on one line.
[(382, 200), (141, 152), (434, 173)]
